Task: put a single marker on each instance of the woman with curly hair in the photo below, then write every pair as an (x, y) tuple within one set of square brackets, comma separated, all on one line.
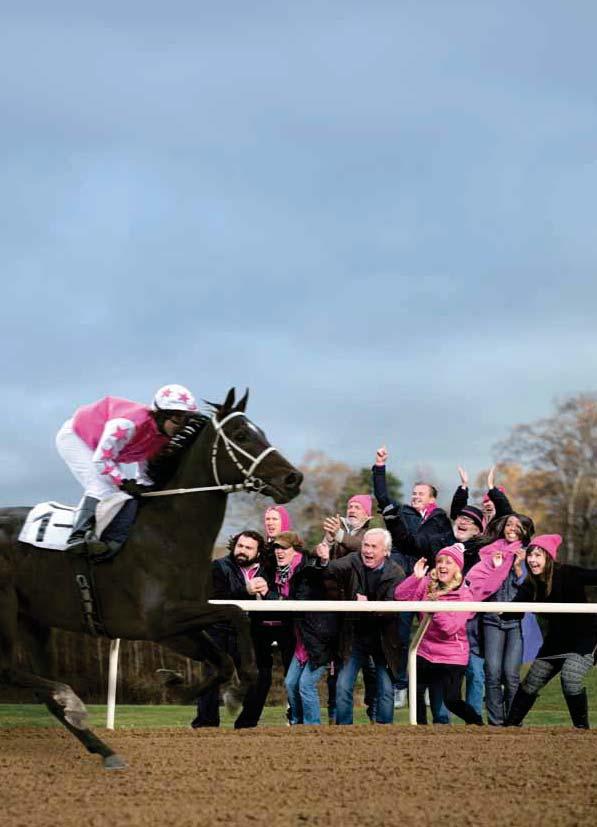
[(444, 648)]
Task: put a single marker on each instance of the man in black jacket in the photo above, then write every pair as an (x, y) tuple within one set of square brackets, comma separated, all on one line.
[(367, 574), (422, 519), (239, 576)]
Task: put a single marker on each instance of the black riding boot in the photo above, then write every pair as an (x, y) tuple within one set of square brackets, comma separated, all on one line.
[(115, 535), (84, 522), (521, 705), (578, 707)]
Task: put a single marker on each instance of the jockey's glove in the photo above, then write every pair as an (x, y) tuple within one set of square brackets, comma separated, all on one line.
[(134, 488)]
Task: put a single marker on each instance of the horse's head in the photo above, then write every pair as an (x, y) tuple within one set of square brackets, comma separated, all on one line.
[(242, 454)]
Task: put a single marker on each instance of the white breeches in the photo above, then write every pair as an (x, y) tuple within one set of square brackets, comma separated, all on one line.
[(78, 457)]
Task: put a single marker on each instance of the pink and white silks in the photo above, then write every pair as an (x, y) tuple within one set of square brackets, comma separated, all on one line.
[(101, 436)]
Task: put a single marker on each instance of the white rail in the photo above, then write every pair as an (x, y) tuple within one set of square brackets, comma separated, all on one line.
[(425, 606), (354, 606)]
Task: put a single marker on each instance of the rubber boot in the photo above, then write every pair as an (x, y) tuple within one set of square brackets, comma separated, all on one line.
[(522, 703), (578, 707), (84, 523)]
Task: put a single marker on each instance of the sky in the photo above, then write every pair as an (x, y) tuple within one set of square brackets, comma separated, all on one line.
[(379, 217)]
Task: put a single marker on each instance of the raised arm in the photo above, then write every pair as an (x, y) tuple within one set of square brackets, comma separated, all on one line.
[(460, 498), (378, 470)]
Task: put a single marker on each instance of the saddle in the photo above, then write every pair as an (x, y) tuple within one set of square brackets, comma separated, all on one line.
[(48, 525)]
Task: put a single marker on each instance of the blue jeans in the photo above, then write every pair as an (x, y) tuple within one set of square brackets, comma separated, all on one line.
[(301, 685), (475, 682), (405, 621), (503, 657), (384, 711)]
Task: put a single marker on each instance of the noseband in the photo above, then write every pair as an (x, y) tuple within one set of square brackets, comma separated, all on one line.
[(236, 454)]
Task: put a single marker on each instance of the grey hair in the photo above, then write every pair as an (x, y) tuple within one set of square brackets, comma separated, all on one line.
[(385, 535)]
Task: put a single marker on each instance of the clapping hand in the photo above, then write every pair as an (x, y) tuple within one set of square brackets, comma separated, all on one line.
[(257, 586), (331, 525)]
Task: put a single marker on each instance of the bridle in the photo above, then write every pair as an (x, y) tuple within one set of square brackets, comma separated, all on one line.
[(236, 453)]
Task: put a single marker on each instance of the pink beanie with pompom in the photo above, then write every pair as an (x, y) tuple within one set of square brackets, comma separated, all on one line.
[(456, 552)]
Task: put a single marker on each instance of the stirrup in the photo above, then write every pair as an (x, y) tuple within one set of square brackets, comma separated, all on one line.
[(76, 545), (99, 548)]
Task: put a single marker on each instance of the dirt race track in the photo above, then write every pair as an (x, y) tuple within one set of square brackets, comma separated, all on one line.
[(362, 776)]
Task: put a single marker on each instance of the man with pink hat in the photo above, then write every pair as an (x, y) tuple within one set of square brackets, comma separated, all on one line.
[(344, 535), (570, 643)]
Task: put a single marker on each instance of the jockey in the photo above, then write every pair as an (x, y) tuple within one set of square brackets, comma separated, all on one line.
[(101, 436)]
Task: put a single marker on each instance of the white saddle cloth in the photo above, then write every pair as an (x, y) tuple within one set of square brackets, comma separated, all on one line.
[(48, 525)]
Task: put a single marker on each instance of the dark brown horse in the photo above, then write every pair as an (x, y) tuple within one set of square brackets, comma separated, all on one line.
[(158, 587)]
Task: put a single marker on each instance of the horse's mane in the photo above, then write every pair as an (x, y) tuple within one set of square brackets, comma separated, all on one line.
[(163, 466)]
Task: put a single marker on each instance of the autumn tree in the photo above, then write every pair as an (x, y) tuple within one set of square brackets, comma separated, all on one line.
[(557, 481)]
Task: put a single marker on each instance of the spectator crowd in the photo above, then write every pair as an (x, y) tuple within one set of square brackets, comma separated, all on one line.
[(468, 666)]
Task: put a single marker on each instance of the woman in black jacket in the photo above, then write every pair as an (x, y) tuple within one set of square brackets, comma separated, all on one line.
[(571, 639), (299, 577)]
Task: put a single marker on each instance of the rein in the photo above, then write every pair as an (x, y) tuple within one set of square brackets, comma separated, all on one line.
[(251, 483)]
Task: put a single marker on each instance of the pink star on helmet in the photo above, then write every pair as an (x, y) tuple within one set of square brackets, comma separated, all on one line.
[(166, 392), (120, 433), (183, 397), (107, 453)]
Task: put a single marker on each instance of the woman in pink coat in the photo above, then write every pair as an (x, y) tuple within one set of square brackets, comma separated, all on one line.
[(443, 652)]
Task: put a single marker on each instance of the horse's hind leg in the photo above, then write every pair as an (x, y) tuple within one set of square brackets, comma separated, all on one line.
[(59, 698)]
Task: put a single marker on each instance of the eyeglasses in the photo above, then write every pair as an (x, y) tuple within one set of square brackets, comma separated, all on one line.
[(177, 418)]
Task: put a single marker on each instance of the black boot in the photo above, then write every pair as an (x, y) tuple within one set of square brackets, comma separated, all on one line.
[(115, 535), (84, 522), (578, 707), (521, 705)]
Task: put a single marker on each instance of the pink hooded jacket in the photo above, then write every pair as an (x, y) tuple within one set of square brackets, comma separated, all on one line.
[(484, 578), (285, 518), (445, 640)]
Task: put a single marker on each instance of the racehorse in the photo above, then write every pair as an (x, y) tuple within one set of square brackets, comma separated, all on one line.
[(157, 588)]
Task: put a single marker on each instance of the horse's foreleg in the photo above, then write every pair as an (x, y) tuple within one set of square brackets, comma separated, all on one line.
[(199, 647), (186, 618)]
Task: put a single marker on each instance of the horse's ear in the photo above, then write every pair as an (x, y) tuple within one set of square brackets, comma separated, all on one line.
[(242, 404), (228, 403)]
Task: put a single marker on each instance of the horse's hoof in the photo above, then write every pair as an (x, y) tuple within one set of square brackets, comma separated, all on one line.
[(114, 762), (168, 677)]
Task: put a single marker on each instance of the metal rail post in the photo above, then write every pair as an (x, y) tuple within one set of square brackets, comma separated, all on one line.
[(112, 680), (412, 668)]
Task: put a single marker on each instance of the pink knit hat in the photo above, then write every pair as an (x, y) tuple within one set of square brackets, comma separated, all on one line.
[(364, 500), (550, 543), (286, 519), (456, 552)]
